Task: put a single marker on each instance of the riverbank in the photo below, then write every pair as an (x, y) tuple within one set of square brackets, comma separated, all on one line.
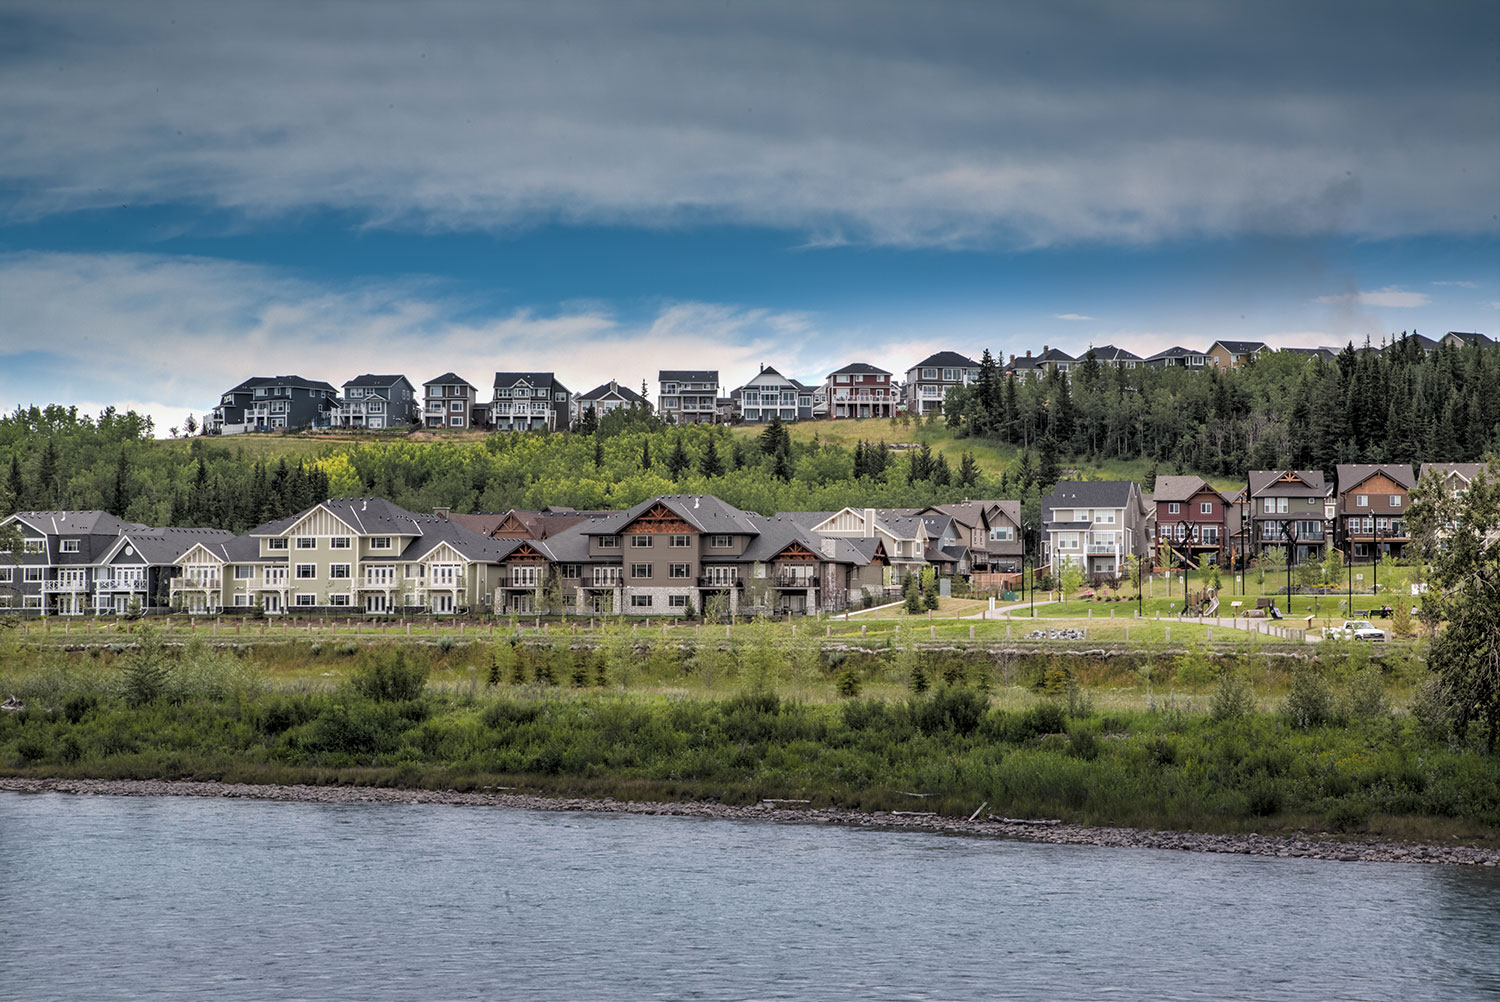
[(1308, 847)]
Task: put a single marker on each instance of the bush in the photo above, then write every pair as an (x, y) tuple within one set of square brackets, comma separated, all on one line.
[(847, 683), (1308, 701), (390, 675), (1430, 709), (956, 710), (1263, 799), (865, 715), (1349, 814), (1365, 699), (1083, 743), (1232, 697), (144, 672)]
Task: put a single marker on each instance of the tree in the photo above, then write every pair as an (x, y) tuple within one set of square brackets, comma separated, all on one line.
[(588, 424), (190, 424), (1460, 537), (598, 453), (781, 465), (968, 471), (709, 464), (774, 437), (646, 454), (16, 486), (1072, 580), (120, 499), (678, 462)]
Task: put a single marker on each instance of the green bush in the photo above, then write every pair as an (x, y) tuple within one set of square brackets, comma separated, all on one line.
[(847, 683), (390, 675), (955, 710), (1232, 697), (1349, 814), (1308, 700)]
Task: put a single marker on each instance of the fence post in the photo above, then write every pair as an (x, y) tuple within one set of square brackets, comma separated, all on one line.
[(1127, 633), (1007, 631), (1169, 634), (971, 631), (932, 633), (1210, 634), (827, 631), (862, 629)]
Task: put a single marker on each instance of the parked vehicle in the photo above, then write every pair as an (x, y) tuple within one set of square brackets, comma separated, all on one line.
[(1355, 629)]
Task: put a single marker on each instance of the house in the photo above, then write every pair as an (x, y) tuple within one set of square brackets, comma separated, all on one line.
[(995, 544), (1455, 477), (606, 397), (1460, 339), (769, 395), (688, 396), (1055, 360), (1024, 367), (271, 403), (1235, 354), (1287, 511), (928, 382), (374, 403), (1094, 525), (860, 390), (74, 563), (1117, 358), (1325, 353), (1373, 501), (1192, 520), (530, 401), (1179, 358), (449, 402)]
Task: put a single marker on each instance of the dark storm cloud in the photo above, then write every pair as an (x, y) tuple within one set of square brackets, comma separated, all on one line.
[(898, 123)]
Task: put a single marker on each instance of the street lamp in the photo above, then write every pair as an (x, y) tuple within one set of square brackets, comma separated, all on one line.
[(1289, 535), (1025, 532)]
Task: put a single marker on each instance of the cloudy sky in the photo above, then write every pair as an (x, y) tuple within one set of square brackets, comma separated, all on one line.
[(194, 193)]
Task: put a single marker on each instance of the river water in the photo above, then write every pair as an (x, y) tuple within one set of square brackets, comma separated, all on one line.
[(178, 898)]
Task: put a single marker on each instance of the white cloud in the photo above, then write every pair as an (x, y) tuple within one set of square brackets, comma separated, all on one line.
[(1071, 316), (845, 122), (1389, 297)]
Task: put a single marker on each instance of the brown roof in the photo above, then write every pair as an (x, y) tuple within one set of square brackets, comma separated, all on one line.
[(1352, 474), (1268, 483), (1179, 488)]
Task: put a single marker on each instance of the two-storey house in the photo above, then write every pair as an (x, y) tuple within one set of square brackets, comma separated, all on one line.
[(448, 402), (606, 397), (995, 542), (1455, 478), (1178, 357), (1373, 502), (1055, 360), (1460, 339), (530, 401), (1094, 525), (860, 390), (769, 395), (1024, 367), (375, 403), (272, 403), (688, 396), (1287, 512), (1192, 519), (1115, 358), (928, 382), (1235, 354)]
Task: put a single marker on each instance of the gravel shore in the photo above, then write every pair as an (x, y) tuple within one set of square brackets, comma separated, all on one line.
[(1032, 831)]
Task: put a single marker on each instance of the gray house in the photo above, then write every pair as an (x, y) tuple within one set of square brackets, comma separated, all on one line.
[(272, 403), (928, 382), (688, 396), (449, 402), (1095, 525), (375, 403), (530, 401)]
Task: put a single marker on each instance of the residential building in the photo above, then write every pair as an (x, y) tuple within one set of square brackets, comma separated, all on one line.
[(374, 403), (1455, 477), (1235, 354), (606, 397), (1055, 360), (1178, 357), (1117, 358), (1288, 512), (1460, 339), (994, 534), (688, 396), (1373, 502), (1325, 353), (928, 382), (860, 390), (271, 403), (771, 395), (1094, 525), (449, 402), (1024, 367), (530, 401), (1192, 520)]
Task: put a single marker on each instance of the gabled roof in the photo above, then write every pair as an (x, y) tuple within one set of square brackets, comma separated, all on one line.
[(859, 368), (1472, 337), (1176, 351), (533, 379), (1240, 347), (89, 522), (166, 544), (1109, 353), (371, 380), (1351, 475), (687, 375), (1054, 355), (1325, 353), (1277, 483), (703, 512), (1180, 488), (452, 378), (1089, 494), (469, 544), (235, 550), (1022, 362), (256, 381), (950, 359), (1465, 471), (612, 387), (364, 516), (1422, 341)]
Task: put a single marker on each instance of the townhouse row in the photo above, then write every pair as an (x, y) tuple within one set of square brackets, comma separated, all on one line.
[(670, 555), (522, 401)]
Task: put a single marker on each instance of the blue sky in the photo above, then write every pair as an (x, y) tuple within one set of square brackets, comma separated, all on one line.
[(197, 193)]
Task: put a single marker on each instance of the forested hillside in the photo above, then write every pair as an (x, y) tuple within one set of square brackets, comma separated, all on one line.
[(1398, 405)]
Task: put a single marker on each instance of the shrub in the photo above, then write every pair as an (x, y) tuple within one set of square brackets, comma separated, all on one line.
[(1263, 798), (78, 707), (1083, 743), (348, 650), (1308, 701), (847, 683), (1365, 698), (446, 644), (508, 713), (865, 714), (144, 672), (390, 675), (956, 710), (1430, 709), (1232, 697), (1349, 814)]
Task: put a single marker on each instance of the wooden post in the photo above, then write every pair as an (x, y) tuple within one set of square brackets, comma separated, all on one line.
[(1007, 631), (971, 631), (408, 629), (1210, 634), (932, 633), (727, 628), (1127, 634), (827, 631), (1169, 634), (862, 628)]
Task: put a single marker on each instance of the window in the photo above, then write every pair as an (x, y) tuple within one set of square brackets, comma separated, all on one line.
[(244, 571), (721, 542), (680, 570), (640, 570), (1206, 508), (1361, 500), (950, 375), (1104, 518), (5, 575), (242, 599), (1395, 500), (307, 571), (929, 373), (415, 571), (31, 546), (456, 406), (640, 601), (677, 601), (1002, 534), (33, 574), (276, 544), (570, 572), (609, 542), (679, 539), (70, 546), (306, 543), (1270, 506), (338, 599), (380, 542), (1173, 508), (1282, 506), (306, 600), (338, 543), (456, 422), (338, 571), (642, 542)]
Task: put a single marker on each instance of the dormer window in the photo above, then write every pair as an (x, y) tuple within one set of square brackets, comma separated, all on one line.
[(70, 546)]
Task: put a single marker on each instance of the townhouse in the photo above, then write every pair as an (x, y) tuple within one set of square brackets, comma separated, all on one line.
[(1094, 525), (928, 382), (606, 397), (1292, 511), (1455, 478), (449, 401), (1373, 501), (1192, 519), (530, 401), (995, 540), (375, 403), (688, 396), (271, 403), (860, 390)]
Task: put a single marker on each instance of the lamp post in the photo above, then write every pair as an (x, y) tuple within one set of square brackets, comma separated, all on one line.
[(1289, 535), (1025, 532), (1375, 562)]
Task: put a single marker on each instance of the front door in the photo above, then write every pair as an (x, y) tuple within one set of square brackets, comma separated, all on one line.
[(272, 603), (375, 603), (442, 604)]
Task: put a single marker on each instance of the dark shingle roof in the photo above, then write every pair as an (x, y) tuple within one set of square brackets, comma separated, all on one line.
[(1176, 351), (1109, 353), (1265, 483), (858, 368), (1472, 337), (1352, 474), (1179, 488), (951, 359), (1054, 355), (535, 380), (703, 512), (1088, 494), (372, 380), (451, 378), (1241, 347), (687, 375), (604, 389)]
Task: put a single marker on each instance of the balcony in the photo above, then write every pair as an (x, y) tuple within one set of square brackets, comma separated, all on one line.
[(196, 582), (720, 581), (379, 581), (1102, 549), (604, 581), (66, 585), (132, 583), (791, 579)]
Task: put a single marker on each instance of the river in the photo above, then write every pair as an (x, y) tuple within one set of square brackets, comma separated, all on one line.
[(170, 898)]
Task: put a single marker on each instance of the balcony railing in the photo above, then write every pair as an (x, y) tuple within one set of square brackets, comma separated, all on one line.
[(380, 580), (134, 583), (199, 581), (1102, 549), (68, 585), (720, 581), (786, 579)]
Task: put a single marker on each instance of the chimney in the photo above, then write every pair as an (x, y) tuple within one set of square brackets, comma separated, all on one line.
[(762, 367), (1045, 349), (441, 512), (1013, 358), (1028, 352), (869, 521), (827, 546)]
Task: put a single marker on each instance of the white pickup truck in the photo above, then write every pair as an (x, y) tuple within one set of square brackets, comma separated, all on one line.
[(1354, 629)]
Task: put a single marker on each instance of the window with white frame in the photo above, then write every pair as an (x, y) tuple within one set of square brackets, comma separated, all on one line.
[(640, 570), (339, 571), (279, 543), (721, 542), (307, 600), (380, 542), (70, 546), (679, 540), (306, 572), (641, 542), (338, 599), (5, 575), (1361, 500), (677, 601), (244, 571), (31, 546), (338, 542), (1206, 508), (1395, 500), (525, 576), (608, 542), (306, 543), (32, 574), (1283, 506), (1173, 508), (1002, 534), (640, 601), (679, 570), (1269, 506), (1104, 518), (242, 599)]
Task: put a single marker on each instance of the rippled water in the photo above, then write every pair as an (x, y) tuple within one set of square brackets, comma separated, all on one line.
[(173, 898)]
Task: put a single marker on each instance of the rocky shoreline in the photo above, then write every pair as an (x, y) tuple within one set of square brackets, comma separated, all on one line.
[(1308, 847)]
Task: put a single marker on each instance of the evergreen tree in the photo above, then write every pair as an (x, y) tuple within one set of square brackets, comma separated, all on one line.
[(781, 465), (709, 464), (968, 471), (737, 456), (16, 484), (48, 487), (588, 424), (646, 454), (598, 454), (774, 436), (120, 499), (678, 462), (1048, 473), (940, 474)]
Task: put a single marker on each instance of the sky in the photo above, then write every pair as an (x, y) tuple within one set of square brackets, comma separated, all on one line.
[(192, 194)]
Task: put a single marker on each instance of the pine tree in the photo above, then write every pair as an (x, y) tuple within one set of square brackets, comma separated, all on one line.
[(781, 465), (940, 475), (646, 454), (968, 471), (589, 423), (774, 436), (598, 453), (737, 456), (678, 462), (859, 459), (709, 464), (16, 484), (47, 483)]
